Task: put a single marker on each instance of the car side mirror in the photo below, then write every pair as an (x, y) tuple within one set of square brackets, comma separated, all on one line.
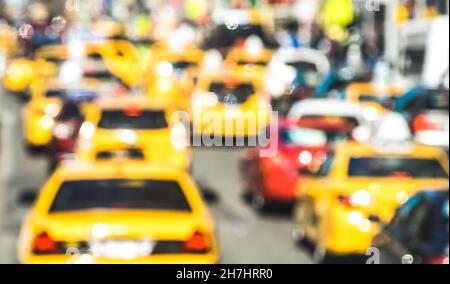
[(25, 97), (27, 197), (375, 219), (210, 195)]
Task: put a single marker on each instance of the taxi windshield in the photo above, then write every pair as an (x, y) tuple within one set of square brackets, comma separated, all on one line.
[(120, 194), (395, 167), (239, 92), (133, 119)]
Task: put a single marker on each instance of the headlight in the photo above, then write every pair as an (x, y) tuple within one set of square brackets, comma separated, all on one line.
[(305, 158), (371, 113), (360, 198), (63, 131), (164, 69), (46, 122), (51, 109), (87, 130)]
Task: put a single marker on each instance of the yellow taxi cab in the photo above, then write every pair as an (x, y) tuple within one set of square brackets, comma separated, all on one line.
[(126, 212), (230, 104), (21, 73), (121, 56), (357, 181), (116, 57), (134, 122), (46, 100), (173, 72), (8, 40), (375, 99), (110, 58), (252, 57), (107, 28), (40, 112)]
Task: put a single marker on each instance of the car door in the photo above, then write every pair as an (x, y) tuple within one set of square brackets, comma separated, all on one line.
[(406, 231)]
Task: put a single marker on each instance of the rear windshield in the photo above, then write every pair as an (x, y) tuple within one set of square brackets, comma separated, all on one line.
[(437, 101), (249, 62), (396, 167), (303, 137), (133, 119), (120, 194), (350, 122), (182, 65), (74, 95), (238, 93)]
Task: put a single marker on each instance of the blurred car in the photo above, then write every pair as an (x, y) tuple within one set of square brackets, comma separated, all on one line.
[(427, 112), (21, 73), (100, 60), (419, 229), (269, 180), (120, 212), (252, 57), (130, 122), (335, 83), (356, 181), (47, 99), (331, 109), (375, 99), (65, 132), (107, 28), (230, 104), (173, 73), (296, 71), (8, 40), (234, 26)]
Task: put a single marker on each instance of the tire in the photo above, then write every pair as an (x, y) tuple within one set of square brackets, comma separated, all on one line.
[(260, 204), (320, 255), (298, 233), (35, 150)]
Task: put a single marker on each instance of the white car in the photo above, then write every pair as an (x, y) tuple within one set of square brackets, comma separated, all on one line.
[(332, 108), (287, 62)]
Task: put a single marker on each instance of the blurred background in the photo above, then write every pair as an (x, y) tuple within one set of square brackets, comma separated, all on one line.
[(376, 57)]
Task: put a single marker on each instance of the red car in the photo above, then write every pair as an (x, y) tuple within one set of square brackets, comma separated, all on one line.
[(65, 133), (302, 148)]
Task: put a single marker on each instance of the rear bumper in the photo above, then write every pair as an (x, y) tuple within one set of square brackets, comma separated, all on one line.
[(211, 258), (348, 232)]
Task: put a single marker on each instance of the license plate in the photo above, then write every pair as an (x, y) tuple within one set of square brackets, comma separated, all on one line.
[(122, 249)]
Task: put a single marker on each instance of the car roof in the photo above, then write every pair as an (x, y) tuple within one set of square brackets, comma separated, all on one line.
[(353, 148), (326, 107), (118, 169), (313, 56)]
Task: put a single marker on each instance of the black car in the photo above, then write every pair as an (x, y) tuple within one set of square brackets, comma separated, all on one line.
[(419, 232)]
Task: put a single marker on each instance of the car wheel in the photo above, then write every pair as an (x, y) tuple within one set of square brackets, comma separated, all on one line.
[(298, 236), (35, 150), (320, 255), (259, 203)]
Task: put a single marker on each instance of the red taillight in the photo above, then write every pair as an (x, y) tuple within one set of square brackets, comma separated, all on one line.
[(421, 123), (197, 243), (438, 260), (345, 200), (133, 111), (44, 244)]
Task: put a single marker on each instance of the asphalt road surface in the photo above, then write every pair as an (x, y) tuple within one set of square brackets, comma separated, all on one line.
[(246, 237)]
